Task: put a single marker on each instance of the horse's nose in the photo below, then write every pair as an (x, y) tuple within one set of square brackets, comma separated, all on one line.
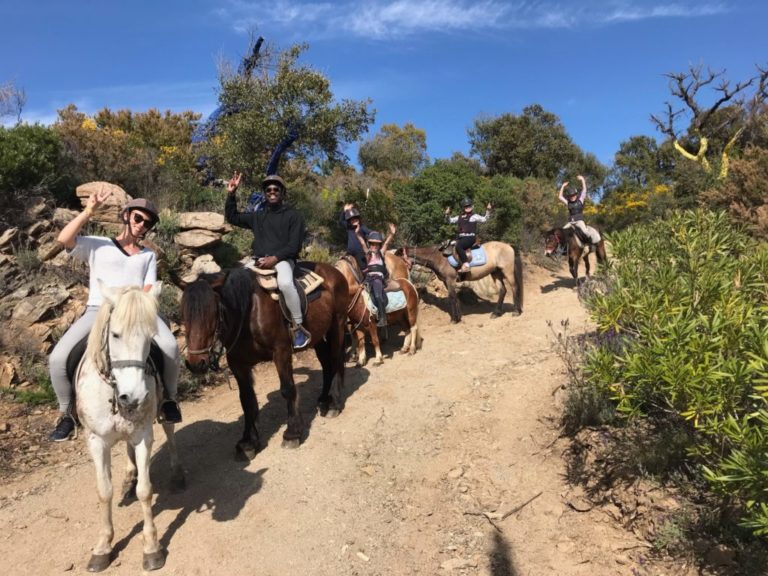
[(128, 403), (199, 367)]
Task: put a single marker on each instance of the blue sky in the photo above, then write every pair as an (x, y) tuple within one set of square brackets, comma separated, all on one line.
[(598, 65)]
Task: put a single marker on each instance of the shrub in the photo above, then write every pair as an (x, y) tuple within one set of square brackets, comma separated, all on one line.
[(688, 297)]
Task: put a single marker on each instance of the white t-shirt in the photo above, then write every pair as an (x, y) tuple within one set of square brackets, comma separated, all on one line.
[(109, 263)]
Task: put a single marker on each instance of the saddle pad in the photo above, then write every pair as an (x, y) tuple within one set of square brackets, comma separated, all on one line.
[(395, 301), (306, 280), (479, 258)]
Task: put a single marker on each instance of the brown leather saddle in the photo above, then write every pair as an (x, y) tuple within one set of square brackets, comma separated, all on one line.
[(308, 284)]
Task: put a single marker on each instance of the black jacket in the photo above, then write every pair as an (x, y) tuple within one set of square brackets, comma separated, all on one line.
[(277, 230)]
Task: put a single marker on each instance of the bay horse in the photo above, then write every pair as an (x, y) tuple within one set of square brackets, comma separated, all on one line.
[(360, 316), (234, 309), (117, 394), (565, 239), (503, 263)]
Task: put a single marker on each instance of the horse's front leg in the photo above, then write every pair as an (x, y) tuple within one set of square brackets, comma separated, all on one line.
[(249, 445), (453, 301), (586, 263), (373, 330), (153, 556), (362, 355), (573, 264), (101, 453), (178, 476), (131, 474), (294, 432)]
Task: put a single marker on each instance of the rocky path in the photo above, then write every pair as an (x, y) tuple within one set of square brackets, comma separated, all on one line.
[(448, 461)]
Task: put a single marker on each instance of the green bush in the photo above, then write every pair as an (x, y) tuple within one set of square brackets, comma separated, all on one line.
[(686, 298)]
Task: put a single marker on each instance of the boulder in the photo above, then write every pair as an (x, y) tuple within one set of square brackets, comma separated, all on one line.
[(197, 238), (49, 250), (110, 210), (204, 264), (204, 220), (7, 238), (38, 228), (36, 208), (34, 308), (7, 374), (61, 216)]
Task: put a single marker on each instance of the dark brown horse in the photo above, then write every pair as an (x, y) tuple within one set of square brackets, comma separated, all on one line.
[(503, 263), (565, 239), (234, 309), (360, 316)]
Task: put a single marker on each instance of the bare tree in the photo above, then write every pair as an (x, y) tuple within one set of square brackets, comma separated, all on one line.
[(731, 112), (12, 100)]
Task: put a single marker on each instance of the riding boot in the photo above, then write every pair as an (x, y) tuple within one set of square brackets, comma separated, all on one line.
[(382, 316)]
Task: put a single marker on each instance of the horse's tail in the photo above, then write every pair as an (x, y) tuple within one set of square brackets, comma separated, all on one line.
[(237, 292), (518, 280)]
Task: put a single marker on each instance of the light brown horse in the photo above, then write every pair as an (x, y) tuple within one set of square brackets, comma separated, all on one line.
[(503, 264), (360, 316), (233, 308)]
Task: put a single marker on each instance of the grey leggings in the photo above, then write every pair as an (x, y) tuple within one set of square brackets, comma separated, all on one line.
[(286, 286), (57, 361)]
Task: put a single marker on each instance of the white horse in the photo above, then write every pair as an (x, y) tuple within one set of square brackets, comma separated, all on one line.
[(117, 397)]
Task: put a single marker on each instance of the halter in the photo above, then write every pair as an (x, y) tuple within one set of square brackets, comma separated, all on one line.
[(109, 376), (213, 353)]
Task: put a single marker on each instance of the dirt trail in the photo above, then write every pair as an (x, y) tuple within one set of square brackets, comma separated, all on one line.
[(414, 477)]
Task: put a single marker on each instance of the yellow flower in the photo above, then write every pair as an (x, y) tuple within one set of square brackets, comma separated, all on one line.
[(88, 124)]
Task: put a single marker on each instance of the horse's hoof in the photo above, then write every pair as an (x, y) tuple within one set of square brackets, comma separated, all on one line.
[(153, 560), (332, 413), (495, 315), (245, 452), (378, 361), (291, 444), (99, 562), (405, 350)]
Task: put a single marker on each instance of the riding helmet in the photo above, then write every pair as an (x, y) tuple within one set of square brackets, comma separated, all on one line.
[(351, 213), (273, 179), (142, 204), (465, 202), (375, 237)]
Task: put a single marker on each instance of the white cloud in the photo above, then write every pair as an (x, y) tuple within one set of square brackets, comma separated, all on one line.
[(382, 19)]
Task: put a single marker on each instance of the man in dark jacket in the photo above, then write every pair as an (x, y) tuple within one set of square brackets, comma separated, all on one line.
[(349, 219), (278, 233)]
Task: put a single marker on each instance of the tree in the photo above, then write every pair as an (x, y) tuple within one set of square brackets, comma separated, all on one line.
[(12, 100), (531, 145), (279, 98), (401, 152), (722, 123)]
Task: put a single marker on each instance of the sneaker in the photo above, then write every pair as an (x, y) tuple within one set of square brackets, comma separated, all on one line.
[(171, 412), (300, 339), (65, 427)]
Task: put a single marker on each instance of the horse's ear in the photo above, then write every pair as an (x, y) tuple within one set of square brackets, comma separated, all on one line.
[(109, 294), (177, 280)]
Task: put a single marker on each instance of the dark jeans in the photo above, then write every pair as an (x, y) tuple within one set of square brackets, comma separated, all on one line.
[(376, 284), (464, 243)]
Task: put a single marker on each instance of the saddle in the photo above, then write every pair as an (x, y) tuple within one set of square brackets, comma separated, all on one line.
[(308, 284)]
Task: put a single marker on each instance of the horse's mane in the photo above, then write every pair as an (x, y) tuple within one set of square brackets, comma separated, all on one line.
[(237, 290), (133, 310), (430, 256), (198, 303)]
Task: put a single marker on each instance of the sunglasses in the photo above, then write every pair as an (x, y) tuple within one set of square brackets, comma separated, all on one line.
[(139, 219), (269, 189)]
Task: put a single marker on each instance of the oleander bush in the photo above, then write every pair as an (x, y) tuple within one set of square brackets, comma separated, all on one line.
[(684, 338)]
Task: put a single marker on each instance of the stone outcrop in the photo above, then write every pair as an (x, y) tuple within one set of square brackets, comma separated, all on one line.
[(109, 212)]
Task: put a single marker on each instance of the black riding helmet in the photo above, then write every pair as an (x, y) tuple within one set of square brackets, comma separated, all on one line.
[(273, 179), (465, 203), (351, 213), (375, 237)]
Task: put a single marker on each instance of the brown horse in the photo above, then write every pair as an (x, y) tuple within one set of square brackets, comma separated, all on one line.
[(503, 264), (565, 239), (234, 309), (360, 315)]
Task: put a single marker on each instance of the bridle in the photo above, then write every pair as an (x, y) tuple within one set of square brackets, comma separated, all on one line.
[(109, 374)]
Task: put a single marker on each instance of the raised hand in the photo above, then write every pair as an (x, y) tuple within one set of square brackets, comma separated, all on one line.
[(234, 182), (580, 177), (489, 207), (392, 229), (348, 206), (97, 198), (447, 210)]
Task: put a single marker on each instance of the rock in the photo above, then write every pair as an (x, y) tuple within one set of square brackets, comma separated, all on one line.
[(456, 473), (363, 557), (33, 309), (197, 238), (457, 564), (49, 250), (7, 237), (203, 264), (7, 374), (38, 228), (20, 293), (110, 210), (4, 427), (202, 220), (62, 215)]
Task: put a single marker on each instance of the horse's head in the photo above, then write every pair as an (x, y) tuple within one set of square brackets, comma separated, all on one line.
[(200, 316), (119, 344), (552, 241)]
